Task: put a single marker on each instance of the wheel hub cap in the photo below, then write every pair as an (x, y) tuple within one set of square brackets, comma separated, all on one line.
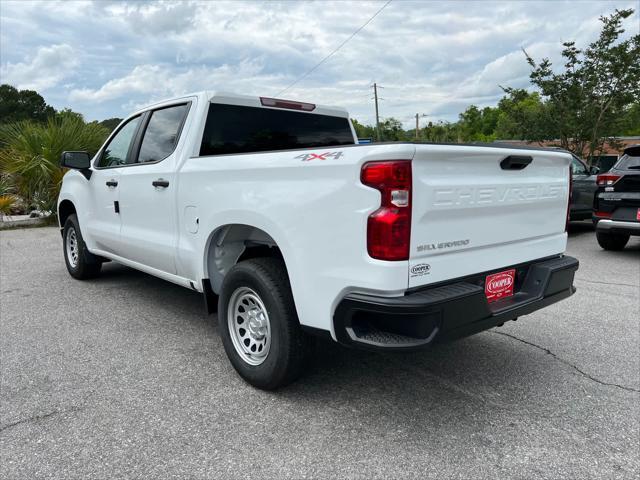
[(72, 247), (249, 326), (257, 324)]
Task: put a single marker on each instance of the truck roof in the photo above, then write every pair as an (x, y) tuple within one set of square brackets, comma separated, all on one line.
[(231, 98)]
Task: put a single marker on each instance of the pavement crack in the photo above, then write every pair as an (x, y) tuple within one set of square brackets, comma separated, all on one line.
[(569, 364), (39, 417)]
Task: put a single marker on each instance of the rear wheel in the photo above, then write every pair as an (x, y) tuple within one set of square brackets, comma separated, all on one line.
[(612, 241), (81, 263), (259, 324)]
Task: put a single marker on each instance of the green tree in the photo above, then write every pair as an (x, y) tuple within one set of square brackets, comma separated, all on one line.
[(68, 113), (440, 132), (477, 125), (31, 154), (17, 105), (521, 116), (363, 131), (630, 120), (111, 123), (391, 130), (585, 100)]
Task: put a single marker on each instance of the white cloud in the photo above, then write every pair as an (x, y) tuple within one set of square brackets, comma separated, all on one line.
[(157, 82), (432, 57), (505, 70), (143, 79), (46, 69), (159, 18)]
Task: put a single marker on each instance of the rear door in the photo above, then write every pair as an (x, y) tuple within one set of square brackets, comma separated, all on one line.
[(584, 188), (476, 209), (148, 190)]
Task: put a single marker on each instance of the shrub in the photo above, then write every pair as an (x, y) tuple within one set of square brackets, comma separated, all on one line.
[(8, 200), (6, 204), (30, 154)]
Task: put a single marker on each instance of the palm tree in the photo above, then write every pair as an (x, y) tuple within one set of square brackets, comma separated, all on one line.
[(30, 153), (7, 198)]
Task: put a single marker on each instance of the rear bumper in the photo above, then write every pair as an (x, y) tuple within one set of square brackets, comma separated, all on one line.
[(449, 311), (619, 226)]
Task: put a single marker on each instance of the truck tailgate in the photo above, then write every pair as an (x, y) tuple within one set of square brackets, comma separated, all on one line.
[(472, 212)]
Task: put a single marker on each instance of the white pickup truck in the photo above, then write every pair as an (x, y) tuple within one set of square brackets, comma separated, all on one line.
[(291, 229)]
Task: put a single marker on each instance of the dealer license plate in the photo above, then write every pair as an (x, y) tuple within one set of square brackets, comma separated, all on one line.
[(499, 285)]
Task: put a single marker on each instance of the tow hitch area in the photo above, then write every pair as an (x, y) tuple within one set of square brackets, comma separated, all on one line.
[(455, 309)]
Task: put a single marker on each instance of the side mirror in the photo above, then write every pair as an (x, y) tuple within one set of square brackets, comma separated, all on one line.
[(77, 161), (594, 170)]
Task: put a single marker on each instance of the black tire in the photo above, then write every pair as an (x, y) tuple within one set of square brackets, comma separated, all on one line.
[(290, 348), (86, 265), (612, 241)]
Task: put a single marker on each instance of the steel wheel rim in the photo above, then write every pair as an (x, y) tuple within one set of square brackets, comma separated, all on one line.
[(249, 326), (72, 247)]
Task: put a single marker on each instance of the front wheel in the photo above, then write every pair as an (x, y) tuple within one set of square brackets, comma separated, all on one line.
[(81, 263), (612, 241), (259, 324)]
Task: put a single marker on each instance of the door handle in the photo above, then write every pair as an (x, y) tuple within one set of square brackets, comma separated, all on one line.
[(515, 162), (160, 183), (111, 183)]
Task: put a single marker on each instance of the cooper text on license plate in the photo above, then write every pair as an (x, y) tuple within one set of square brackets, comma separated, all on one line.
[(499, 285)]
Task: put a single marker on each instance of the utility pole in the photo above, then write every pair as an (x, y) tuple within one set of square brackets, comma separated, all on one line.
[(418, 115), (375, 96)]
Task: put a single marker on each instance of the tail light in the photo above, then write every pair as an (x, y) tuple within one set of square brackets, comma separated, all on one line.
[(389, 227), (600, 214), (607, 179)]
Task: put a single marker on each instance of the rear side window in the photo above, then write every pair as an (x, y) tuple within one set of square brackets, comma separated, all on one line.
[(238, 129), (628, 162), (162, 132), (577, 168)]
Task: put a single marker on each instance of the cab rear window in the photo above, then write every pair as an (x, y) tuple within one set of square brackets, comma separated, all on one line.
[(238, 129)]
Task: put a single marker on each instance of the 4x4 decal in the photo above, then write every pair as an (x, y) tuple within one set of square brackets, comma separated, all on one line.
[(307, 157)]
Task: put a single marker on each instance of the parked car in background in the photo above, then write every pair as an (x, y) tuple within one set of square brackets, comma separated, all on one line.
[(616, 209), (584, 189)]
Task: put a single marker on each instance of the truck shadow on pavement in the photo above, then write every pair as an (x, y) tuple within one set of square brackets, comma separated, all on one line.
[(483, 370)]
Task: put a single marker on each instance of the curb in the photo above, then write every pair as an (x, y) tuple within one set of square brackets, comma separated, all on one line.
[(27, 222)]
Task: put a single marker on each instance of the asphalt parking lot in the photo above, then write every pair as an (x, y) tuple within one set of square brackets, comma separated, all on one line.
[(124, 376)]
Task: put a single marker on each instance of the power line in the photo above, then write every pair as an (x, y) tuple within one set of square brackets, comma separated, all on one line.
[(311, 70)]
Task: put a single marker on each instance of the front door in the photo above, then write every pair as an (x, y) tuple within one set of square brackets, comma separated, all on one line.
[(148, 192), (103, 220)]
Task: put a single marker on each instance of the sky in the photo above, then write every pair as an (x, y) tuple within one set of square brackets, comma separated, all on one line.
[(105, 59)]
